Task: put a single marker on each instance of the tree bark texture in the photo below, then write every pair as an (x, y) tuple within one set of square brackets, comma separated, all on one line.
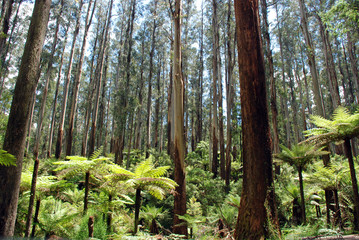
[(215, 97), (14, 141), (178, 122), (257, 161)]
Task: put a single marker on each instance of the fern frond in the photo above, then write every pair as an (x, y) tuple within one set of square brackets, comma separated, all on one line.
[(96, 153), (144, 167), (7, 159)]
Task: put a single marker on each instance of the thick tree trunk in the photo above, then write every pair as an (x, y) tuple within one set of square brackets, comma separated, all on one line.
[(257, 162), (15, 136), (178, 122), (78, 78), (60, 133)]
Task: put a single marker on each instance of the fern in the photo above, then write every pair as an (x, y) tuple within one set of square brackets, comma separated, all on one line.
[(7, 159)]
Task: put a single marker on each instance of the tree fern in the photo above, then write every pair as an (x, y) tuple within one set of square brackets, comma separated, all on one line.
[(145, 178)]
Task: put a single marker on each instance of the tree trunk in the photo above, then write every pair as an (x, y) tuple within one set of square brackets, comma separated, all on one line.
[(217, 75), (311, 60), (348, 154), (199, 103), (87, 186), (36, 218), (214, 86), (257, 161), (60, 132), (140, 100), (178, 122), (123, 111), (109, 214), (77, 79), (329, 63), (5, 24), (273, 94), (90, 96), (302, 199), (14, 141), (284, 100), (32, 196), (137, 209), (91, 226), (229, 93), (53, 115), (149, 95), (99, 70), (29, 125), (353, 64), (157, 108), (4, 68), (44, 94)]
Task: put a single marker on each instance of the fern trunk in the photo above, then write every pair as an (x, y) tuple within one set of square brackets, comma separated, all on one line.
[(349, 155), (87, 186), (32, 197), (302, 200), (36, 218), (137, 209)]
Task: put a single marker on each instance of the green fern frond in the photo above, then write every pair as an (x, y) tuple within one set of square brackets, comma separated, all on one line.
[(144, 167), (96, 153), (156, 191), (157, 172), (7, 159)]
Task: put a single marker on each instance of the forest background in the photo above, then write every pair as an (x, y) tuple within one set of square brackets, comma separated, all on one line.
[(106, 74)]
